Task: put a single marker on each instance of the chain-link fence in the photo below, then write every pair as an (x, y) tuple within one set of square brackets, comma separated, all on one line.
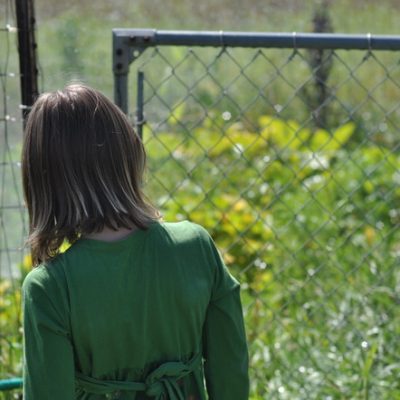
[(290, 158), (12, 214)]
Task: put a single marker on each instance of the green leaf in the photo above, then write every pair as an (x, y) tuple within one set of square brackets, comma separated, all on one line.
[(320, 140), (342, 135), (176, 114)]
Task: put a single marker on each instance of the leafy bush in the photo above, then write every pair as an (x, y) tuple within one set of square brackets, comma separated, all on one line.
[(306, 219)]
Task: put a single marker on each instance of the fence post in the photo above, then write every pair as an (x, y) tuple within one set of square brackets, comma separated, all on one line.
[(126, 48), (27, 54), (139, 120)]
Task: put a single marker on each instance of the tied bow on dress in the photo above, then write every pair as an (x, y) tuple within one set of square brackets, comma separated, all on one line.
[(160, 384)]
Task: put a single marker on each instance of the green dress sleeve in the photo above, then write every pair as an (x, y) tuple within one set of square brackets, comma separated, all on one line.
[(48, 354), (224, 339)]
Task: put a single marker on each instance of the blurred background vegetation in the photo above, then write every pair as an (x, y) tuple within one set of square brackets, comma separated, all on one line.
[(303, 201), (74, 37)]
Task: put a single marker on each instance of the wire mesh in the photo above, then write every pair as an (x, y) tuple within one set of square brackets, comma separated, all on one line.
[(12, 215), (290, 158)]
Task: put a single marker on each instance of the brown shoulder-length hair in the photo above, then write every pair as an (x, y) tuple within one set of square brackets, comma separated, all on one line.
[(82, 170)]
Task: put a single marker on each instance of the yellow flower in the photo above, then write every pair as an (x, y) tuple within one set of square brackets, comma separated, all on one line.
[(27, 262), (4, 286), (370, 234), (65, 246)]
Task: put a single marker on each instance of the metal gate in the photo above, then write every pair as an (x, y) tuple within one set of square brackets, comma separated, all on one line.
[(286, 148)]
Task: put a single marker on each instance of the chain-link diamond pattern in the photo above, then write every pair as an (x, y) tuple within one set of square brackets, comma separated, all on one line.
[(297, 179), (12, 215)]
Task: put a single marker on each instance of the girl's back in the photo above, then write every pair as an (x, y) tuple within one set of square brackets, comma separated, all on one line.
[(142, 317)]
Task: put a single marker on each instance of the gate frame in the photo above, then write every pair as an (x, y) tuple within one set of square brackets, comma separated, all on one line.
[(129, 44)]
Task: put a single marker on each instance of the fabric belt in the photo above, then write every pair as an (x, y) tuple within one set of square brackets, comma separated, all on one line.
[(160, 384)]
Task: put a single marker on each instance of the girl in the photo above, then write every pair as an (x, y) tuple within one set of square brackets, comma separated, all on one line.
[(136, 308)]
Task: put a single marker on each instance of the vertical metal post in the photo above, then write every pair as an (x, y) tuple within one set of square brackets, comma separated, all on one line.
[(121, 91), (27, 54), (139, 104)]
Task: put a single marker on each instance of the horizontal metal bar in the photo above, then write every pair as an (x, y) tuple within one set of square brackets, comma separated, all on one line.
[(13, 207), (152, 37), (11, 250), (7, 163), (10, 384)]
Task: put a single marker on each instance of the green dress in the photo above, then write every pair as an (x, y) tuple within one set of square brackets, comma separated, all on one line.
[(155, 315)]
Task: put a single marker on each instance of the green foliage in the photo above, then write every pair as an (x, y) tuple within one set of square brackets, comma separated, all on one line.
[(10, 337), (68, 36), (308, 227)]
